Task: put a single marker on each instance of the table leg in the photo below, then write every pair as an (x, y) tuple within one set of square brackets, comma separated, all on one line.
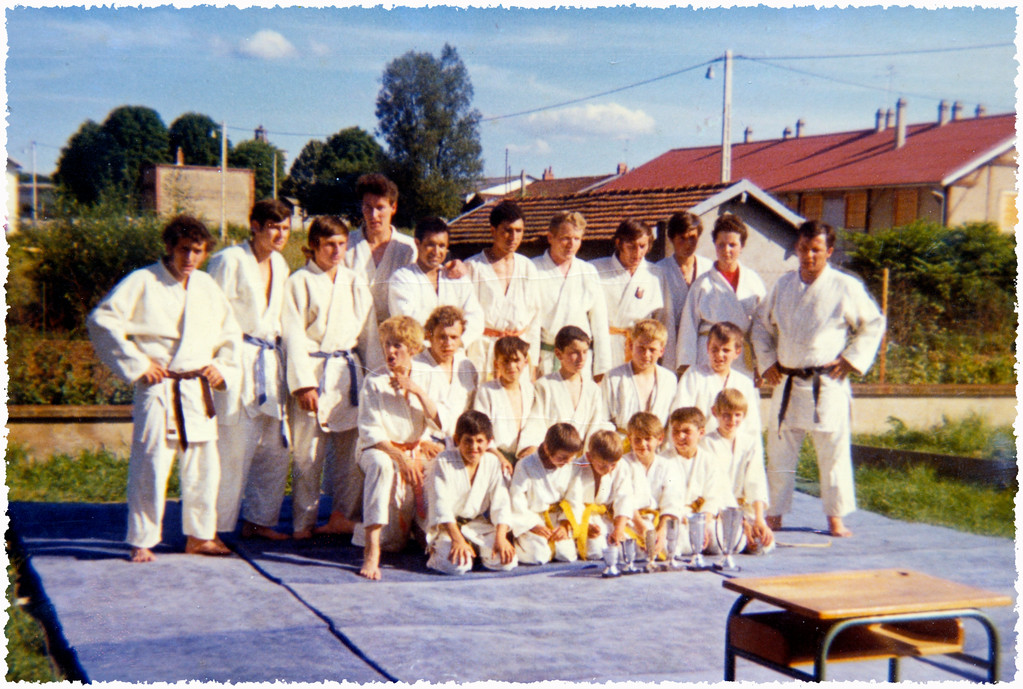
[(736, 610)]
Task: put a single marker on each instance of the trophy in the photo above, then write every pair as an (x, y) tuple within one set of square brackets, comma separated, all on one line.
[(672, 543), (611, 560), (730, 529), (651, 554), (697, 529), (629, 552)]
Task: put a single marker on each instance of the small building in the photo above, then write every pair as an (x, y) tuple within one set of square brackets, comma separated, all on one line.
[(194, 189), (11, 219)]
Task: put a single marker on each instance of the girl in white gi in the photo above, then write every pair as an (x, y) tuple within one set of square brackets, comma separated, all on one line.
[(377, 250), (453, 378), (508, 398), (705, 485), (169, 329), (469, 503), (539, 489), (601, 496), (571, 294), (641, 384), (657, 480), (729, 292), (417, 289), (700, 384), (633, 289), (817, 326), (252, 440), (329, 334), (394, 413), (681, 268), (567, 395), (742, 455), (506, 288)]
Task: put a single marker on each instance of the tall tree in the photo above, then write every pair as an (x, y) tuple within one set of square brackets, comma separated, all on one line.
[(198, 137), (323, 175), (138, 139), (83, 170), (258, 156), (425, 115)]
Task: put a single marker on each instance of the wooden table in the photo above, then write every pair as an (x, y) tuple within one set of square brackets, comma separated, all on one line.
[(856, 615)]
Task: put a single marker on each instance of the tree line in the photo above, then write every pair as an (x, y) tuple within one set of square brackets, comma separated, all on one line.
[(425, 120)]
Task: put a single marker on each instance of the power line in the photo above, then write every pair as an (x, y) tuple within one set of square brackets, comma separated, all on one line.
[(882, 54)]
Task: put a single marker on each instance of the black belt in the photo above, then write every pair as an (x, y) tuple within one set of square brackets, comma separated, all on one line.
[(813, 372)]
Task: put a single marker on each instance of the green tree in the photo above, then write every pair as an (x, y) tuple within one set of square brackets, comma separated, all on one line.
[(198, 137), (323, 175), (138, 139), (83, 170), (425, 115), (258, 156)]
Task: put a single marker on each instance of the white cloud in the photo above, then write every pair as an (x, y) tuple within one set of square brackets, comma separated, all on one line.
[(611, 120), (537, 146), (266, 45), (319, 49)]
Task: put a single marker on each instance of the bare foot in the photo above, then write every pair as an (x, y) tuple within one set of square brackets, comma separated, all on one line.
[(338, 523), (198, 546), (250, 530), (142, 555), (371, 562), (773, 521), (837, 528), (302, 534)]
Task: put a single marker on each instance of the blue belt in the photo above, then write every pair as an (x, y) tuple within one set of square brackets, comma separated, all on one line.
[(261, 362), (353, 388)]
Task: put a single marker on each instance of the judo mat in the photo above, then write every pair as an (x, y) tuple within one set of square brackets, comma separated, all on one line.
[(298, 611)]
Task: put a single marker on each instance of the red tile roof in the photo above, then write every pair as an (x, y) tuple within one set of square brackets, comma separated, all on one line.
[(844, 160), (603, 211), (559, 187)]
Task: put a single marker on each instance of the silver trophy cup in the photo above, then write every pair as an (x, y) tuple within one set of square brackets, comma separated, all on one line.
[(671, 538), (697, 529), (650, 540), (611, 561), (730, 531), (629, 552)]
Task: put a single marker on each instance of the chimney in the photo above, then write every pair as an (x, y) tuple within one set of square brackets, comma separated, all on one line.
[(622, 168), (981, 110), (879, 120), (179, 158), (786, 133), (747, 134), (261, 134), (548, 173), (900, 123), (957, 109), (888, 117), (799, 127), (942, 113)]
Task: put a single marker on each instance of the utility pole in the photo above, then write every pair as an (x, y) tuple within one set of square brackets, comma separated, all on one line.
[(223, 180), (275, 173), (726, 123), (35, 192)]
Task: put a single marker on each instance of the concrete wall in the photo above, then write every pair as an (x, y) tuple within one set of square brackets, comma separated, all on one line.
[(978, 196), (173, 189)]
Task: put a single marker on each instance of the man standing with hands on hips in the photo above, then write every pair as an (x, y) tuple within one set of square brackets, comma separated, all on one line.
[(816, 326)]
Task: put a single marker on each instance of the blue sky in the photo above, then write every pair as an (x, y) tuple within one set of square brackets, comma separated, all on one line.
[(307, 73)]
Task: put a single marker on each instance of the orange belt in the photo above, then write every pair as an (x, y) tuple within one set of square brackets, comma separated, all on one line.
[(179, 413), (492, 332), (417, 491), (627, 332)]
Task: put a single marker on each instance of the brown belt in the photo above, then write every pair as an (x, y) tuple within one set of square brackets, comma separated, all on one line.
[(493, 332), (179, 413)]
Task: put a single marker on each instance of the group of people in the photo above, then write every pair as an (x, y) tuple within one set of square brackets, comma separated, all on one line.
[(500, 407)]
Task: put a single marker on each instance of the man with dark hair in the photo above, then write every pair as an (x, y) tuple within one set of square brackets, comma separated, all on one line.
[(168, 329), (816, 326), (681, 267)]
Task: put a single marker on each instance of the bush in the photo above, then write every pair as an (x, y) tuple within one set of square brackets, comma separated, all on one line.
[(972, 436)]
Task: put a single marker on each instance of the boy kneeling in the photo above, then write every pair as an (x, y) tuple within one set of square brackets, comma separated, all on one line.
[(468, 503)]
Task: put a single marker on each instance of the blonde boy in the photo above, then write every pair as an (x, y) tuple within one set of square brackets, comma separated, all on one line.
[(543, 529), (705, 486), (508, 398), (600, 495), (640, 384), (394, 413), (469, 503), (567, 394), (657, 479), (700, 384), (742, 456)]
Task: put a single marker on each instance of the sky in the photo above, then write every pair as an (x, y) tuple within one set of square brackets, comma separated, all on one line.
[(307, 73)]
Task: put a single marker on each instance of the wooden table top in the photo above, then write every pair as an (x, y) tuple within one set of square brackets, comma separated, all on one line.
[(844, 595)]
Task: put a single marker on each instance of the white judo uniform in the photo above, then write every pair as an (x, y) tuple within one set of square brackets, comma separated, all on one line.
[(412, 294), (657, 488), (553, 404), (802, 326), (492, 400), (677, 286), (706, 483), (699, 386), (150, 317), (387, 415), (623, 399), (330, 339), (452, 393), (576, 298), (631, 298), (712, 300), (400, 251), (536, 495), (252, 442), (477, 507), (598, 505), (742, 457), (514, 310)]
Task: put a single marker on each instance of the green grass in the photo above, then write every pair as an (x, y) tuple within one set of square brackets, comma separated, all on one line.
[(27, 657), (972, 436)]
